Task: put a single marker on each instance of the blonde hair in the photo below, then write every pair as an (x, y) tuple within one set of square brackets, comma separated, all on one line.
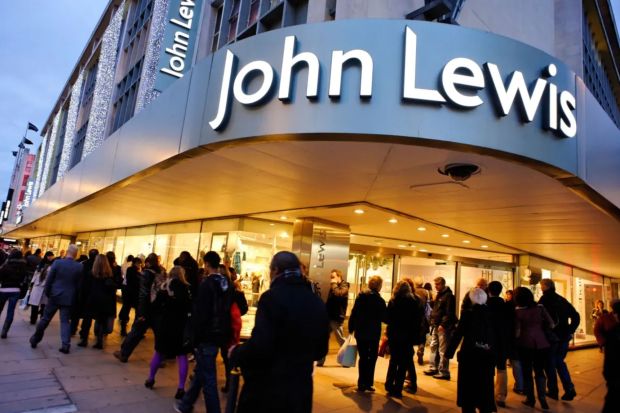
[(101, 267), (178, 272), (402, 289)]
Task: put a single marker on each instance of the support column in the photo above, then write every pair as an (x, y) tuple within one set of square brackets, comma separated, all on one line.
[(322, 247)]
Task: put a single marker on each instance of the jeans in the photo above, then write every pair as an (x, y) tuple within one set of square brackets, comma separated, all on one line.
[(205, 378), (87, 322), (517, 374), (367, 350), (138, 329), (557, 364), (439, 345), (533, 359), (336, 327), (12, 298), (48, 314), (401, 361)]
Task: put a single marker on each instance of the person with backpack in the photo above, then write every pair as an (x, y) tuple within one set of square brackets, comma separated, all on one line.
[(171, 308), (560, 311), (211, 321), (477, 356)]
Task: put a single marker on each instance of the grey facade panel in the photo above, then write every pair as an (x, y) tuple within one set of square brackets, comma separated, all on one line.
[(196, 102)]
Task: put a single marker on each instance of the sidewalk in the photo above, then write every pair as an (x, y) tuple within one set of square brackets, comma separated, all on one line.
[(89, 380)]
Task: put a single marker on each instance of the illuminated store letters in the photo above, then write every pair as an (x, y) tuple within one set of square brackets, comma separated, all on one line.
[(460, 82)]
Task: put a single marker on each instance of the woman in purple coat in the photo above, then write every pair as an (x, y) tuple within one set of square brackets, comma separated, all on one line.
[(533, 346)]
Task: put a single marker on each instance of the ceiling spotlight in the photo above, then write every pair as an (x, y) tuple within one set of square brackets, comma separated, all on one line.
[(359, 211), (421, 228), (484, 246), (283, 218), (466, 241), (393, 221), (271, 224), (402, 246), (445, 235), (423, 250)]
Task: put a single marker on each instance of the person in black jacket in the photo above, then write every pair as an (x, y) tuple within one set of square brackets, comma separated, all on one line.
[(152, 271), (171, 310), (212, 329), (101, 300), (337, 302), (477, 356), (291, 332), (78, 310), (190, 266), (503, 326), (131, 290), (443, 320), (368, 312), (12, 277), (404, 318), (560, 311)]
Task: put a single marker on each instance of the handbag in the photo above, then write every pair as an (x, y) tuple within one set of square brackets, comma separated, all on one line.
[(347, 355), (23, 303), (384, 348)]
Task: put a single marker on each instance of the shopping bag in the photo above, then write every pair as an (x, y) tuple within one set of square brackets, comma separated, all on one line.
[(23, 303), (384, 348), (347, 355)]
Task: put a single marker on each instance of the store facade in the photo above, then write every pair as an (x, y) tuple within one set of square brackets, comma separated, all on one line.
[(276, 142)]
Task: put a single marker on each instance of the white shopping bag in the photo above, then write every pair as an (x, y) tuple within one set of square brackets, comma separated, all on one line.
[(23, 303), (347, 355)]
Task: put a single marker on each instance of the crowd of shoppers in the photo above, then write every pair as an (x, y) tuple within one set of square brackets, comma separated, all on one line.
[(197, 311)]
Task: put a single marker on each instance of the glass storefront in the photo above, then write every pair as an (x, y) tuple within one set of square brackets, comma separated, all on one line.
[(58, 244)]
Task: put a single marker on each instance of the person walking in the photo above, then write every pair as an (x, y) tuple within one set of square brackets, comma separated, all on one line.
[(13, 275), (171, 310), (38, 299), (78, 312), (513, 354), (290, 334), (477, 356), (32, 263), (101, 301), (192, 271), (212, 329), (503, 322), (607, 332), (337, 302), (404, 318), (152, 274), (131, 291), (60, 287), (443, 320), (560, 311), (369, 311), (530, 325)]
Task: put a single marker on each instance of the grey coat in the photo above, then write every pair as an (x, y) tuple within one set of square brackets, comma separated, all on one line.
[(62, 280)]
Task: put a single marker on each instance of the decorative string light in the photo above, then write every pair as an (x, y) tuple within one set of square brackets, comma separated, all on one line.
[(146, 91), (104, 84), (48, 155), (74, 105), (41, 157)]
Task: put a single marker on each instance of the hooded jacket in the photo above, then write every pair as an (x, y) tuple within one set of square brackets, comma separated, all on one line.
[(211, 315)]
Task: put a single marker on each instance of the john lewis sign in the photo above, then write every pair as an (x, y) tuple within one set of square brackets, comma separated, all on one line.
[(459, 83)]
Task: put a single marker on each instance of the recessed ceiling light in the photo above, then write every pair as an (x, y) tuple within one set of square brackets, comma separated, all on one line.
[(393, 221), (283, 218), (466, 241), (359, 211), (484, 246), (271, 224), (423, 250), (445, 235), (421, 228), (448, 249), (402, 246)]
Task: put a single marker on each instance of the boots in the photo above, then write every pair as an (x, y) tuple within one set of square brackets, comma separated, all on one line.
[(83, 342), (541, 385)]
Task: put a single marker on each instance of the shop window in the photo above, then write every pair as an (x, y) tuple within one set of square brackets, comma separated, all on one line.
[(139, 241), (172, 239), (588, 288)]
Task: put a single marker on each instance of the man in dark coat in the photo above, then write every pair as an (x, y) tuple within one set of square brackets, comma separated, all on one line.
[(607, 331), (560, 311), (212, 329), (290, 333), (83, 289), (12, 277), (60, 287), (337, 302), (369, 311), (503, 326), (443, 320)]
